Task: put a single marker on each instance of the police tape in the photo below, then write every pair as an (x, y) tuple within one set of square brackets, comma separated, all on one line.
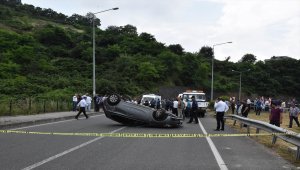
[(140, 135)]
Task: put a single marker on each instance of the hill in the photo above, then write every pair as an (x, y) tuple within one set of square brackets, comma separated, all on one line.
[(49, 55)]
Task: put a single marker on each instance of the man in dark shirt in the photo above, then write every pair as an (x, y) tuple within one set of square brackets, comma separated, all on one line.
[(276, 114), (194, 111), (238, 104)]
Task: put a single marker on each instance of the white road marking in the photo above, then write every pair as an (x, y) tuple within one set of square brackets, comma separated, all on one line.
[(66, 152), (62, 121), (216, 153)]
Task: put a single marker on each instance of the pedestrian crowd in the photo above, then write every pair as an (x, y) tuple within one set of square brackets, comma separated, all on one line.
[(275, 108), (189, 108), (83, 103)]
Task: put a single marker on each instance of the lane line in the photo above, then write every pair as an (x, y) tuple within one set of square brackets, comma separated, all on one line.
[(62, 121), (213, 148), (66, 152)]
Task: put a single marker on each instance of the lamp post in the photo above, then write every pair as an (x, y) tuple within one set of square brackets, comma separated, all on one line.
[(240, 90), (212, 70), (94, 63)]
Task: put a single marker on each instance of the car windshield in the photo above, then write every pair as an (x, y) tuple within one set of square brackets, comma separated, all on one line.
[(197, 96)]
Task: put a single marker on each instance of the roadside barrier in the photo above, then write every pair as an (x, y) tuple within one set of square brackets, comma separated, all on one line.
[(278, 132)]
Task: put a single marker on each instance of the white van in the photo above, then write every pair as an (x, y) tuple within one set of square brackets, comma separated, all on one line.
[(149, 97)]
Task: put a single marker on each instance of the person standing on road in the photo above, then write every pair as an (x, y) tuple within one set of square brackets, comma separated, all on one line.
[(187, 107), (194, 111), (158, 104), (74, 102), (180, 107), (276, 114), (175, 107), (96, 105), (238, 109), (245, 109), (88, 102), (232, 104), (82, 105), (258, 107), (221, 107), (294, 113)]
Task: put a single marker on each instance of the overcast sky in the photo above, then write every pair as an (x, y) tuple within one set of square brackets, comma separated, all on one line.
[(264, 28)]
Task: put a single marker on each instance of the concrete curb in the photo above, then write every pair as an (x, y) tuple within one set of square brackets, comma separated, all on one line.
[(41, 121)]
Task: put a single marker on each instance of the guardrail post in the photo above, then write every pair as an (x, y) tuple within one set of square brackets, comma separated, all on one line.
[(234, 122), (241, 125), (248, 129), (257, 130), (274, 139), (298, 153)]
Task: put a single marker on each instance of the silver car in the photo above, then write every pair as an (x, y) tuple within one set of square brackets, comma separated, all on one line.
[(129, 113)]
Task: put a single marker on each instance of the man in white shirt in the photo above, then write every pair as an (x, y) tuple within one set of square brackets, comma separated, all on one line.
[(221, 107), (82, 105), (88, 102), (74, 102), (175, 107)]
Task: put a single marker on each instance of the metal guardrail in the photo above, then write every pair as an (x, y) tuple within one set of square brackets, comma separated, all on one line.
[(284, 134)]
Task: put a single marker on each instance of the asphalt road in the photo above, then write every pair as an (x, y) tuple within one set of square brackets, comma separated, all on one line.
[(29, 151)]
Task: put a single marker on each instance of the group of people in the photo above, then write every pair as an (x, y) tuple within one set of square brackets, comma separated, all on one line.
[(178, 106), (184, 108), (98, 102), (82, 103), (276, 114), (275, 108), (240, 107), (181, 107), (154, 103)]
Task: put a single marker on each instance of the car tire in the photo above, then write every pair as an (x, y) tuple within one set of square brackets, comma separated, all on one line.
[(113, 99), (160, 115)]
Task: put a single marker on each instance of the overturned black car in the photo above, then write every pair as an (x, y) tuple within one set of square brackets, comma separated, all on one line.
[(129, 113)]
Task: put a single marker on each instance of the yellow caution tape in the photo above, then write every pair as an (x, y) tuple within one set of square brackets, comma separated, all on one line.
[(141, 135)]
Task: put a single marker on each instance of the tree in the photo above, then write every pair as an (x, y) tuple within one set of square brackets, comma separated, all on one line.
[(90, 17), (206, 52), (248, 58), (147, 37), (51, 35), (176, 48), (129, 30)]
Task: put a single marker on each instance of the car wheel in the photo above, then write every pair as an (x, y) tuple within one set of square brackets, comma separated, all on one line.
[(113, 99), (160, 115)]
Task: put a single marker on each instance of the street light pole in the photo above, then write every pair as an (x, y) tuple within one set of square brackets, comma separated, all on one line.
[(240, 90), (94, 60), (212, 70)]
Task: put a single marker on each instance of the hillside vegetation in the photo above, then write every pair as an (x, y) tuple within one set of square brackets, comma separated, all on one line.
[(45, 54)]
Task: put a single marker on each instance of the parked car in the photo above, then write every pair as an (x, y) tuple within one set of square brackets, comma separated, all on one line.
[(129, 113)]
